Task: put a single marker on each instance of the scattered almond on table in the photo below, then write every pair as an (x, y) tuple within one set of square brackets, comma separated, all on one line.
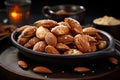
[(22, 64), (42, 69), (81, 69), (113, 60)]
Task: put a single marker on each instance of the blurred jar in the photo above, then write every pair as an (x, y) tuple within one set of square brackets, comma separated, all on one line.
[(18, 11)]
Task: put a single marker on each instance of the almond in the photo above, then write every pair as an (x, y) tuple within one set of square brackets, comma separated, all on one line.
[(51, 39), (65, 39), (29, 31), (20, 29), (74, 25), (62, 47), (42, 69), (81, 69), (60, 30), (32, 42), (82, 43), (51, 49), (90, 30), (73, 52), (46, 23), (41, 32), (113, 60), (22, 64), (39, 46)]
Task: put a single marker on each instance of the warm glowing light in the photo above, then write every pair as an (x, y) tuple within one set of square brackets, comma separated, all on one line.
[(13, 14), (18, 15)]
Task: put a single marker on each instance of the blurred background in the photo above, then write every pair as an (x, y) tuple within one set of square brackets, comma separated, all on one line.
[(94, 8)]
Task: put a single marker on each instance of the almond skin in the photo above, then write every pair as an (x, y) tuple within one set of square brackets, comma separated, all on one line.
[(22, 64), (51, 49), (42, 69), (81, 69), (51, 39)]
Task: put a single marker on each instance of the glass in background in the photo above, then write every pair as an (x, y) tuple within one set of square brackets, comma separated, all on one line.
[(18, 11)]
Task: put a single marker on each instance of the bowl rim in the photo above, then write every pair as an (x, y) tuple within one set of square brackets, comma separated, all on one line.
[(110, 47)]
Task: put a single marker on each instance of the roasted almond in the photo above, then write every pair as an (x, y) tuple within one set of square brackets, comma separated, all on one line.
[(62, 47), (51, 49), (41, 32), (74, 25), (46, 23), (42, 69), (113, 60), (60, 30), (90, 30), (29, 31), (32, 42), (22, 64), (39, 46), (65, 39), (20, 29), (82, 43), (73, 52), (81, 69), (51, 39)]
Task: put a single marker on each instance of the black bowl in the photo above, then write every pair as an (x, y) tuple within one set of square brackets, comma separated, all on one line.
[(74, 11), (56, 59)]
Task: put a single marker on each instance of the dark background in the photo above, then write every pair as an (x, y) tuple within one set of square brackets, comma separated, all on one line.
[(93, 7)]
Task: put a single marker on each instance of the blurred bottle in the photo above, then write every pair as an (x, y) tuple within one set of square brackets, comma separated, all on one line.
[(18, 11)]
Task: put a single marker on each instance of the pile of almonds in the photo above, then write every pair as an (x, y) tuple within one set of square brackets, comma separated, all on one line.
[(66, 37)]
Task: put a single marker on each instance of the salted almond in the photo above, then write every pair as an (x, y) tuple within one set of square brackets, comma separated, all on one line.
[(46, 23), (42, 69), (82, 43), (74, 25), (32, 42), (81, 69), (51, 49), (20, 29), (60, 30), (29, 31), (102, 44), (65, 39), (62, 47), (113, 60), (39, 46), (41, 32), (22, 64), (51, 39), (73, 52), (90, 30)]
